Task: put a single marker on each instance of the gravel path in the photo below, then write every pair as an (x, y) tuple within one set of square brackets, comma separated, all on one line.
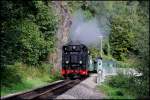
[(85, 90)]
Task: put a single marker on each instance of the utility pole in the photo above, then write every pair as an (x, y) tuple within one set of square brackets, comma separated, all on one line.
[(100, 77), (101, 37), (108, 48)]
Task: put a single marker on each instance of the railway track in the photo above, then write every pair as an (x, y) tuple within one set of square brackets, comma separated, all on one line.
[(48, 92)]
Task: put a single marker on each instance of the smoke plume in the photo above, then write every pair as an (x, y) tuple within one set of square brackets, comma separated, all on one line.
[(86, 32)]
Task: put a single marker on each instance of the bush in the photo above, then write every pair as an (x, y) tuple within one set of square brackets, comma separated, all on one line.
[(19, 77), (19, 72), (119, 93), (114, 93), (131, 85), (56, 75), (121, 81), (28, 32), (10, 76)]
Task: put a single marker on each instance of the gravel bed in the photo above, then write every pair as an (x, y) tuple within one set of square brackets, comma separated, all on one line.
[(85, 90)]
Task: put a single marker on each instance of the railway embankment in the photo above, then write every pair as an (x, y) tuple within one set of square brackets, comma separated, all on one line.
[(14, 95), (50, 91)]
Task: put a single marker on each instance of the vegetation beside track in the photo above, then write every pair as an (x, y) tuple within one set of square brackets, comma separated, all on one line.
[(28, 36), (23, 77), (115, 93), (127, 42)]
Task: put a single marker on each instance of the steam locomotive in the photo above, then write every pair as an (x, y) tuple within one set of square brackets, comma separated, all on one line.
[(75, 60)]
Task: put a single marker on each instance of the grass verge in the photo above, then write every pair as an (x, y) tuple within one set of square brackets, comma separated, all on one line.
[(19, 77), (114, 93), (25, 85)]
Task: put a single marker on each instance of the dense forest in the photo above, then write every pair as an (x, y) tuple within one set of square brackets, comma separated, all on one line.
[(28, 34)]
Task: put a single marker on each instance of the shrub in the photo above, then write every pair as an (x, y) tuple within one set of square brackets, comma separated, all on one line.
[(56, 75), (10, 76), (120, 81), (119, 93), (28, 32)]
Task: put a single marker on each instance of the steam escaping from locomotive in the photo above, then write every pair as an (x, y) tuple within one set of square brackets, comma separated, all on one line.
[(86, 32)]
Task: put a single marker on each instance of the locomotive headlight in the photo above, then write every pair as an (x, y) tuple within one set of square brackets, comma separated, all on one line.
[(74, 47), (80, 62), (67, 62)]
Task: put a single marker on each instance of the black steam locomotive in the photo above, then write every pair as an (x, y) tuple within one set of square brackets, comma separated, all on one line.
[(74, 60)]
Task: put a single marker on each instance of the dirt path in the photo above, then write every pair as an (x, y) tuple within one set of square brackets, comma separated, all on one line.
[(85, 90)]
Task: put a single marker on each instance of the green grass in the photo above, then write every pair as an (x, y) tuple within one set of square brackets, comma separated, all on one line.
[(25, 85), (114, 93), (21, 77)]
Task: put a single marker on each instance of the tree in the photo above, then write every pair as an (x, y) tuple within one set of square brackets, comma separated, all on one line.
[(120, 37), (28, 31)]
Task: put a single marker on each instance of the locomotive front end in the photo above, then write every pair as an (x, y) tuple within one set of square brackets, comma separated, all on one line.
[(74, 60)]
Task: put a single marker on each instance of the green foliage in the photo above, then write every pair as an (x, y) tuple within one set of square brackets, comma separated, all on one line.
[(141, 45), (120, 81), (106, 47), (28, 32), (115, 93), (10, 75), (127, 23), (56, 76), (124, 20), (88, 15), (28, 35), (94, 52), (118, 87), (20, 77), (32, 42), (76, 5), (120, 37), (46, 20), (126, 64), (128, 85)]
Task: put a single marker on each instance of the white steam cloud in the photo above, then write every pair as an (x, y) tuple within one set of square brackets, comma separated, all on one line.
[(86, 32)]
